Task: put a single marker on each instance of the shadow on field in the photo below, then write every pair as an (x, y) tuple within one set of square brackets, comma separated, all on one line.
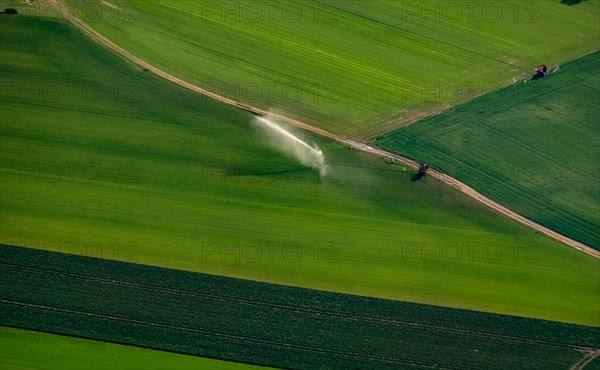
[(571, 2), (418, 176)]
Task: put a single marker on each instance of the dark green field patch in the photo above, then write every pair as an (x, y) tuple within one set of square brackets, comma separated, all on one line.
[(532, 147), (265, 323)]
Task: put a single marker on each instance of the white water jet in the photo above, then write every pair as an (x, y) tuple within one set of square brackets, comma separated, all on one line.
[(289, 144)]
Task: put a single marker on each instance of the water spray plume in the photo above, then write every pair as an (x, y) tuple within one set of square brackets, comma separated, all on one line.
[(291, 145)]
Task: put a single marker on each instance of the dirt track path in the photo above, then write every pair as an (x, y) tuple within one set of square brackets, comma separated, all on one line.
[(589, 357), (359, 146)]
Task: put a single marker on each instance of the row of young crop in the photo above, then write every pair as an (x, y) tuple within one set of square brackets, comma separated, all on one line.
[(263, 323)]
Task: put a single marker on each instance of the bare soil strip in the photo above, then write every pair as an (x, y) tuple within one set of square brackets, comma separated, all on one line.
[(359, 146)]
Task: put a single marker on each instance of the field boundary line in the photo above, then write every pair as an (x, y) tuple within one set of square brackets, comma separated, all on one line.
[(249, 301), (455, 183), (214, 333), (125, 344)]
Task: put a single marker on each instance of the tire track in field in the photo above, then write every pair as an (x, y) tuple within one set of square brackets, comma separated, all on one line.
[(448, 180), (589, 357), (299, 309), (231, 337)]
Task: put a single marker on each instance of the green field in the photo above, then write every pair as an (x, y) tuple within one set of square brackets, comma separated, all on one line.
[(266, 323), (25, 349), (353, 67), (150, 173), (532, 147), (207, 236), (594, 364)]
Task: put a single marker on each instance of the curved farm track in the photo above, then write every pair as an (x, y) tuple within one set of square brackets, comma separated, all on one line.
[(464, 188)]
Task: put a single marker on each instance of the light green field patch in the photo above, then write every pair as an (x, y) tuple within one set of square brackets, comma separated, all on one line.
[(22, 349), (353, 67)]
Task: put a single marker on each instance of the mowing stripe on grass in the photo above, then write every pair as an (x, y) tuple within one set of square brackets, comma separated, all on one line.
[(406, 30)]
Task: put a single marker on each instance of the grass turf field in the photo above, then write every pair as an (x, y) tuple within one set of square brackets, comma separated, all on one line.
[(532, 147), (353, 67), (269, 324), (150, 173)]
